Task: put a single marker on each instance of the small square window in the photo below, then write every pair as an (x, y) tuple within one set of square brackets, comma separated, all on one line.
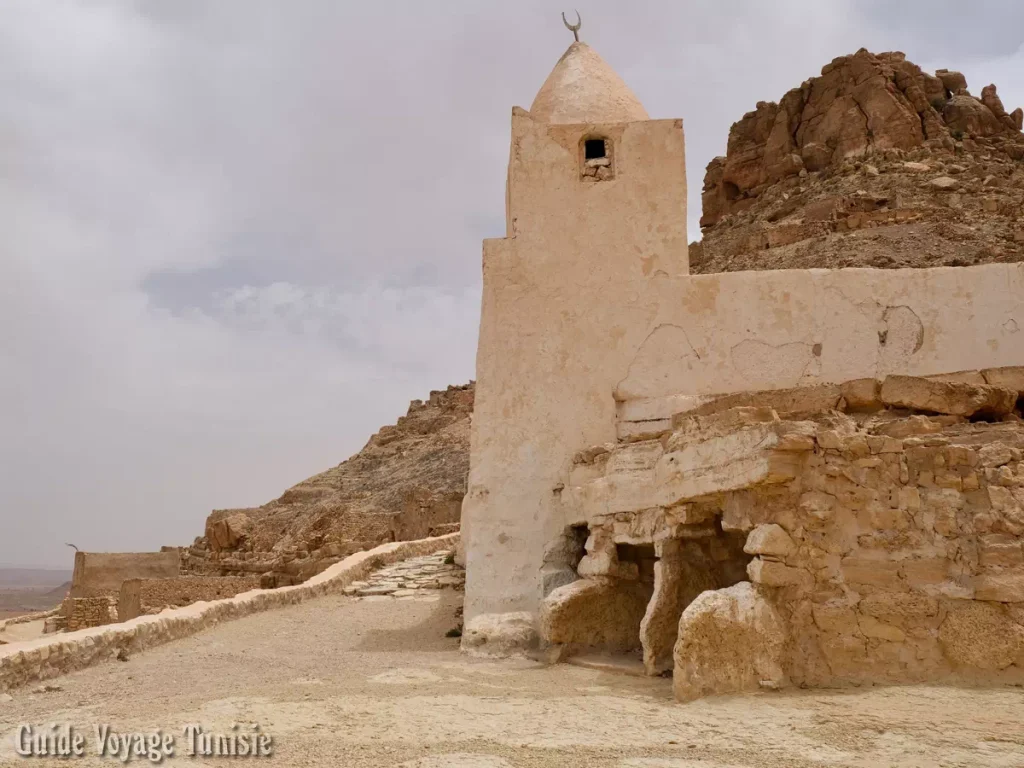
[(594, 149)]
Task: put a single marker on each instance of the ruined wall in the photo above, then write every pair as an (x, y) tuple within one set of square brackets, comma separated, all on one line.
[(904, 559), (99, 574), (883, 531), (142, 596), (420, 516), (85, 612)]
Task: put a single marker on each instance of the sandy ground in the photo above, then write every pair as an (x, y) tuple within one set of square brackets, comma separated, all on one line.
[(374, 682), (30, 630)]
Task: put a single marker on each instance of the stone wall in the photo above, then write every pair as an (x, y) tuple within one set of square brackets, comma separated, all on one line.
[(85, 612), (47, 657), (143, 596), (883, 535), (99, 574)]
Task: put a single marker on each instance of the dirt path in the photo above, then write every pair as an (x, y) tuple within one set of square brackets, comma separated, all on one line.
[(374, 682)]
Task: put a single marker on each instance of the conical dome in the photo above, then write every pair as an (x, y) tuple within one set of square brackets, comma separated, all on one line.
[(582, 88)]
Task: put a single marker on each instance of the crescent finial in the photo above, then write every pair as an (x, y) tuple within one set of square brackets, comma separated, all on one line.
[(574, 28)]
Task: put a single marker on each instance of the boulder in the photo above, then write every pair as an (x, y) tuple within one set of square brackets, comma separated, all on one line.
[(730, 640), (980, 636), (227, 532), (970, 117), (944, 183), (595, 613), (499, 634), (954, 82)]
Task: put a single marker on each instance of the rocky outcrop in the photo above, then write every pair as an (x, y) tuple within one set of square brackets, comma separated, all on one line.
[(405, 484), (873, 163)]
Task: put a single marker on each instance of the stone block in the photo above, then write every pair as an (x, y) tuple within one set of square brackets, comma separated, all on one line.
[(774, 574), (1000, 588), (926, 572), (951, 398), (898, 605), (771, 540), (861, 395), (835, 617), (817, 398), (875, 573), (1011, 377), (872, 627), (1000, 550)]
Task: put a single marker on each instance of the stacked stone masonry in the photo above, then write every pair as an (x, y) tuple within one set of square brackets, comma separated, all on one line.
[(85, 612), (764, 540), (139, 597)]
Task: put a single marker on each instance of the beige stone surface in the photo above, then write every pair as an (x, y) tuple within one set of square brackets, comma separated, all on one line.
[(730, 640), (982, 636)]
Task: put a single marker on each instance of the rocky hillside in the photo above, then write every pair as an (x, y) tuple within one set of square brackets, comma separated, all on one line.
[(873, 164), (406, 483)]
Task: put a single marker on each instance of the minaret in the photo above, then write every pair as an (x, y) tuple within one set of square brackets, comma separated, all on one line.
[(596, 227)]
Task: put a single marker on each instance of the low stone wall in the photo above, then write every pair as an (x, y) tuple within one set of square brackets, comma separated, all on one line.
[(142, 596), (85, 612), (48, 657)]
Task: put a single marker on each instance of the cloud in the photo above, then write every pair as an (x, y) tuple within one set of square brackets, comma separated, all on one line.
[(238, 237)]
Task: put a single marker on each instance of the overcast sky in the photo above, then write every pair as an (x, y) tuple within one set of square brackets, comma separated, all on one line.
[(238, 236)]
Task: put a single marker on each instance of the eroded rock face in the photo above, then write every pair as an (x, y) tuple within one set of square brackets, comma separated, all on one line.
[(407, 483), (839, 173), (730, 640)]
